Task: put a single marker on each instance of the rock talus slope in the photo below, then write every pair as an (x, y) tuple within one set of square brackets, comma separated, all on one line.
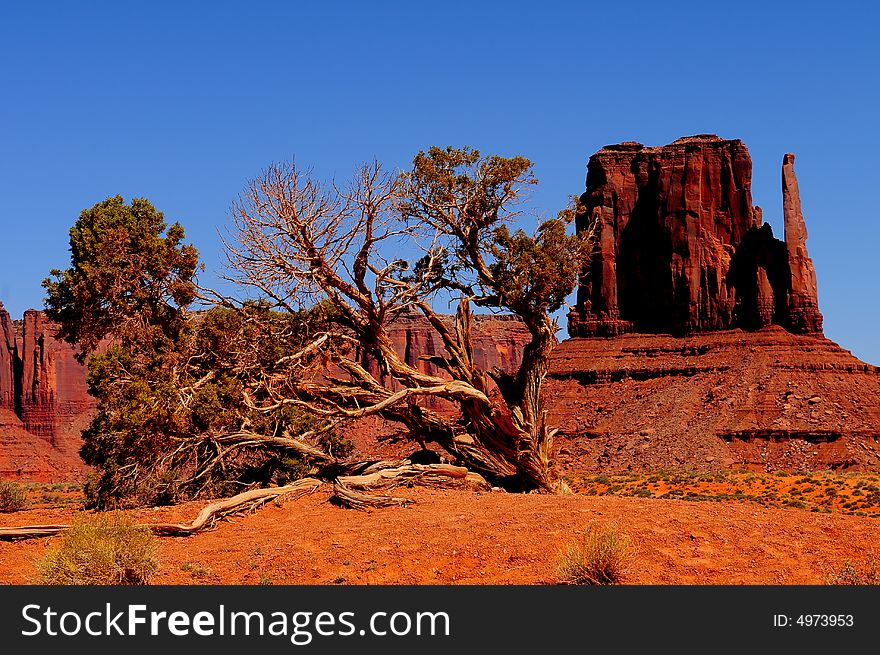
[(767, 400)]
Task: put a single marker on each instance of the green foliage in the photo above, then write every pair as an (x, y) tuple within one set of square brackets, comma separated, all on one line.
[(169, 382), (152, 435), (100, 552), (461, 178), (598, 556), (124, 264), (470, 199), (12, 497), (535, 274)]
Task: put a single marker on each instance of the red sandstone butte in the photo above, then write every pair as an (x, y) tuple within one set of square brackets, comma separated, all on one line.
[(681, 249), (697, 338), (44, 401)]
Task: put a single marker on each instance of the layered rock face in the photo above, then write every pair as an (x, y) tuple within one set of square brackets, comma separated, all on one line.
[(681, 249), (40, 380), (9, 363), (44, 401), (712, 353), (53, 383), (767, 400)]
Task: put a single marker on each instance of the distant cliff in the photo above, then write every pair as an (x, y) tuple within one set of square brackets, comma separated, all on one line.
[(40, 381)]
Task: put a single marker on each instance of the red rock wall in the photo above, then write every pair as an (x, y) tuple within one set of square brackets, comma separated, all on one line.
[(54, 391), (43, 391), (681, 249), (40, 380), (8, 356)]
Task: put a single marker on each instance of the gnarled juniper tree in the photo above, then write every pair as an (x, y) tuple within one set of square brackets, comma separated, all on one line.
[(251, 392)]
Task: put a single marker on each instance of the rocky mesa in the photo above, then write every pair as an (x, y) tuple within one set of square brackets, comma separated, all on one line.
[(697, 337)]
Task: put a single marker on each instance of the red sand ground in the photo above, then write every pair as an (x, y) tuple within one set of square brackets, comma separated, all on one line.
[(486, 538)]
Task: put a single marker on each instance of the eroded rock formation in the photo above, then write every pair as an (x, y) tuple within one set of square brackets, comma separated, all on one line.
[(44, 401), (8, 362), (681, 249), (683, 259), (40, 380), (803, 305)]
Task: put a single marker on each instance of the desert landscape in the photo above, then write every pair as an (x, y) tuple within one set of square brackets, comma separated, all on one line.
[(701, 412)]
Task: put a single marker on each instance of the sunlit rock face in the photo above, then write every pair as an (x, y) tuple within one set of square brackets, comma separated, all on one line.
[(680, 249)]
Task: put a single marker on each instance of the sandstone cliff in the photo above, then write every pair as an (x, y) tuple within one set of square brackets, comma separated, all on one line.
[(498, 341), (40, 380), (44, 401), (681, 249)]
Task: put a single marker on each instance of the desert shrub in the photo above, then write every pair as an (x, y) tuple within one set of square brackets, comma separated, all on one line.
[(855, 574), (100, 552), (12, 497), (600, 555)]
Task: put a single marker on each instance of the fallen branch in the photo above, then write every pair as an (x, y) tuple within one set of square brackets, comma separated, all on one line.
[(351, 490), (247, 500), (426, 475), (348, 497), (31, 532), (205, 519)]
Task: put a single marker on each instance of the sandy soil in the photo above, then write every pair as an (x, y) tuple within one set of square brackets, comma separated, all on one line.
[(486, 538)]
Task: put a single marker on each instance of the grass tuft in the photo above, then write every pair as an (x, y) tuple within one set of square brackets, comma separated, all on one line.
[(600, 555), (12, 497), (855, 574), (100, 552)]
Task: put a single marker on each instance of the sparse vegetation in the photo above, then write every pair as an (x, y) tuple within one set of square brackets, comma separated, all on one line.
[(196, 571), (12, 497), (200, 572), (600, 555), (100, 552), (848, 573), (822, 491)]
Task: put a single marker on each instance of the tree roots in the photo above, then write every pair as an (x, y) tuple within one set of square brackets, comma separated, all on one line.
[(353, 490)]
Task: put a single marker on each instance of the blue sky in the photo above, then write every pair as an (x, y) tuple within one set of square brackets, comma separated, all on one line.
[(183, 102)]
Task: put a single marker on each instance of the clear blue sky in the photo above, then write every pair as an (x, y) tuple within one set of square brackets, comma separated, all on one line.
[(183, 102)]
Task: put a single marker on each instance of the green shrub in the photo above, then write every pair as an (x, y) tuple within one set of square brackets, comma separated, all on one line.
[(12, 497), (100, 552), (600, 555)]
